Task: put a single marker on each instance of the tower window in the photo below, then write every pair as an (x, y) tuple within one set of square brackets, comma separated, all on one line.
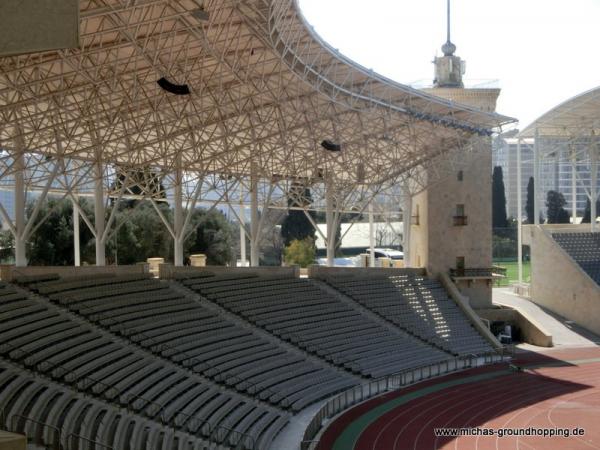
[(459, 175)]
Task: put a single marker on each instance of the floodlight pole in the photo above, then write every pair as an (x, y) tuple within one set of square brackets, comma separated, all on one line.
[(76, 243), (519, 214), (178, 214), (19, 196), (594, 182), (536, 179), (371, 236), (254, 219), (99, 212)]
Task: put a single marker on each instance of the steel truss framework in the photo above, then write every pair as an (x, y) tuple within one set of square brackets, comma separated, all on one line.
[(569, 134), (265, 90)]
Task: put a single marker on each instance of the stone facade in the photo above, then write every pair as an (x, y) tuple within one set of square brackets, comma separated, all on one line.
[(557, 282), (441, 236)]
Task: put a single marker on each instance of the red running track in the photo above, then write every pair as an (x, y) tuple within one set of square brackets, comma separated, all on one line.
[(557, 389)]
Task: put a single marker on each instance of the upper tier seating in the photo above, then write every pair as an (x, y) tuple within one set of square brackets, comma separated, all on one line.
[(301, 312), (418, 305), (584, 248), (38, 335), (157, 317)]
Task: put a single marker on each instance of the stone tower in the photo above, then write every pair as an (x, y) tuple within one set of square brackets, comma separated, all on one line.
[(451, 230)]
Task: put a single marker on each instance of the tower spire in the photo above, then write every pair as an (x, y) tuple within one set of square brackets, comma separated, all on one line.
[(448, 48)]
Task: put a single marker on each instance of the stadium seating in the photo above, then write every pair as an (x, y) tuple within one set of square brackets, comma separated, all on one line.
[(53, 343), (54, 416), (301, 312), (584, 248), (418, 305), (158, 318)]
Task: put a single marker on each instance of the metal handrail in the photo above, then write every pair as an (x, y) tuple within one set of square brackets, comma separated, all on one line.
[(57, 437), (72, 436), (368, 390)]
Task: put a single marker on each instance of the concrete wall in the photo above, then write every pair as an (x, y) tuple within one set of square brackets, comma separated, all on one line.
[(320, 272), (8, 272), (12, 441), (477, 291), (531, 331), (558, 282), (463, 303), (168, 271)]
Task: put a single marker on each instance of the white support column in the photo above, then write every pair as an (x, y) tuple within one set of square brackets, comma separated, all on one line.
[(254, 220), (519, 214), (371, 236), (536, 179), (594, 183), (178, 230), (76, 243), (406, 225), (331, 228), (19, 196), (573, 186), (243, 257), (99, 212)]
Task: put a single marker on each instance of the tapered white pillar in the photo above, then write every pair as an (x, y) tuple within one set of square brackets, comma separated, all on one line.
[(594, 183), (371, 236), (178, 230), (331, 228), (537, 181), (406, 218), (76, 242), (19, 197), (573, 186), (243, 257), (99, 212), (254, 220), (519, 214)]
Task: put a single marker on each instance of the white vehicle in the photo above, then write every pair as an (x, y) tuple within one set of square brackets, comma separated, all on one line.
[(388, 253)]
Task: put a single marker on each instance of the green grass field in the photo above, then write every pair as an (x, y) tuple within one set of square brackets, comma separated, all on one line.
[(512, 271)]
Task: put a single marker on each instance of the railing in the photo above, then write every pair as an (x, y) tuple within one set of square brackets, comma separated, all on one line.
[(74, 440), (56, 439), (474, 272), (365, 391)]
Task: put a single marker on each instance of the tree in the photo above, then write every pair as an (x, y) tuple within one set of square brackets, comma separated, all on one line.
[(588, 211), (52, 242), (296, 226), (555, 203), (498, 199), (300, 252), (530, 204), (213, 237)]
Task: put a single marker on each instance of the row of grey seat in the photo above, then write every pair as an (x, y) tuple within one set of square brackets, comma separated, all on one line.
[(53, 416), (40, 336), (417, 304), (155, 316), (301, 312), (584, 248)]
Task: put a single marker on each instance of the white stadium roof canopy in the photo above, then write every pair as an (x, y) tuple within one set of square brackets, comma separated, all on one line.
[(264, 91)]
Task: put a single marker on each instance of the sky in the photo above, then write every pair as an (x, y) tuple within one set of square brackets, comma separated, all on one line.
[(542, 52)]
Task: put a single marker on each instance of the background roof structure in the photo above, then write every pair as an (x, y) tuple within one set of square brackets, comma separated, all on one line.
[(577, 115)]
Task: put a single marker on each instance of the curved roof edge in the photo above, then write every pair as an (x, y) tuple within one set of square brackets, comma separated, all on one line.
[(574, 115), (477, 117)]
